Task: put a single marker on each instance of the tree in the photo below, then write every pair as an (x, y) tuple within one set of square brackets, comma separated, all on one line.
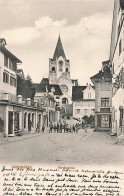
[(89, 120), (25, 87)]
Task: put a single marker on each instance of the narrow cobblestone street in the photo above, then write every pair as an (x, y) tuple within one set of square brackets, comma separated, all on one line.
[(89, 148)]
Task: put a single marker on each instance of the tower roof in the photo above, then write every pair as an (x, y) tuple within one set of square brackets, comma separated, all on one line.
[(59, 51)]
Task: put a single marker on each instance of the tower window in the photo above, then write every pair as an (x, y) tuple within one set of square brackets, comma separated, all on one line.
[(53, 69), (66, 69)]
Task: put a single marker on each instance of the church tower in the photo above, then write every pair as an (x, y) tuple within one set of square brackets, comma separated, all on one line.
[(59, 73), (58, 65)]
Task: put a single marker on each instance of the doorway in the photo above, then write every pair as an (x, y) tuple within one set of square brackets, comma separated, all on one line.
[(10, 123)]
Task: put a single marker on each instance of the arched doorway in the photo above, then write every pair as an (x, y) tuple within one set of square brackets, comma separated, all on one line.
[(29, 121), (64, 100)]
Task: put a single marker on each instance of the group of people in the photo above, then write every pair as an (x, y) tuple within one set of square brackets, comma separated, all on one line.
[(65, 127)]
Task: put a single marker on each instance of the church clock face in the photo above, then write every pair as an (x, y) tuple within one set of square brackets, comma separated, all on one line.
[(60, 62)]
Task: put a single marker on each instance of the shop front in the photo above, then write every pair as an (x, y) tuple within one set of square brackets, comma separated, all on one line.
[(103, 121)]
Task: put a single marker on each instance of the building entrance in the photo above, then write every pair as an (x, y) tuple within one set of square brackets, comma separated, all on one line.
[(10, 123), (29, 122)]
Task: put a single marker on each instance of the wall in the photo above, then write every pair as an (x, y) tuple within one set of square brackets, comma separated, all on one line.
[(6, 88), (83, 105)]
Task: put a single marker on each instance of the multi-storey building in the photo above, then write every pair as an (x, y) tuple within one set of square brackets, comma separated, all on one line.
[(8, 67), (83, 98), (103, 98), (50, 97), (117, 62), (15, 115)]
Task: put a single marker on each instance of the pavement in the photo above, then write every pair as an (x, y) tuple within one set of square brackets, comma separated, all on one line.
[(120, 139), (91, 148), (22, 137)]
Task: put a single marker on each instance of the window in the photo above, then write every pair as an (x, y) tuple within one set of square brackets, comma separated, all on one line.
[(120, 47), (57, 97), (53, 89), (105, 102), (85, 111), (5, 77), (105, 86), (60, 68), (5, 61), (53, 69), (78, 111), (57, 103), (13, 66), (12, 81), (64, 101), (89, 95), (64, 88), (66, 70)]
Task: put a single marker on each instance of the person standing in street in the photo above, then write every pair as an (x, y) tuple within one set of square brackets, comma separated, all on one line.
[(73, 128), (38, 127), (29, 126), (51, 127), (85, 128), (61, 127), (43, 128), (57, 127)]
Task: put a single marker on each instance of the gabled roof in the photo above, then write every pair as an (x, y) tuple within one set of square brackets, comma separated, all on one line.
[(57, 89), (40, 88), (44, 81), (106, 74), (75, 82), (44, 86), (65, 76), (122, 4), (5, 51), (59, 51), (77, 94)]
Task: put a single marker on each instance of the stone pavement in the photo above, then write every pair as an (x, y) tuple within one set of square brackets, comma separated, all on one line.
[(21, 137), (35, 134)]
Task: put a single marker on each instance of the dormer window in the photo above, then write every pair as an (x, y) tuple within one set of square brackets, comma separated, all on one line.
[(3, 42), (53, 90)]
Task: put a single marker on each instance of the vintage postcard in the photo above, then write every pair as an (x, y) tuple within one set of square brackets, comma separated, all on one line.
[(62, 97)]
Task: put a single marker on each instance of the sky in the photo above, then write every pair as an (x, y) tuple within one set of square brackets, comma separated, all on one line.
[(31, 29)]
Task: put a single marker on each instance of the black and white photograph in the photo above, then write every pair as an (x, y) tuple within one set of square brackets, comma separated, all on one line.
[(62, 88)]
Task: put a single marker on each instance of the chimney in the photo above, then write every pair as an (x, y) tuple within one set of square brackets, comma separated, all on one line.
[(28, 101), (19, 98), (3, 42), (35, 103)]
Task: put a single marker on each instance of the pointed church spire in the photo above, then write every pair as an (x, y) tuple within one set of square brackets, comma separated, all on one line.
[(59, 51)]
